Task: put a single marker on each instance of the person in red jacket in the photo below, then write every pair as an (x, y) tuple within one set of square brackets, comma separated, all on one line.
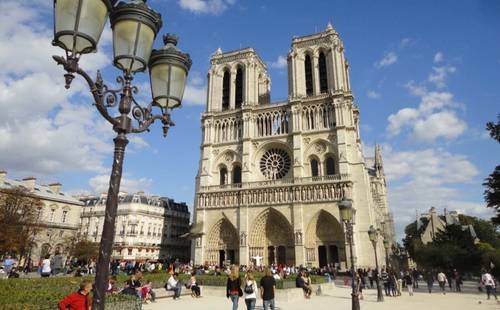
[(79, 300)]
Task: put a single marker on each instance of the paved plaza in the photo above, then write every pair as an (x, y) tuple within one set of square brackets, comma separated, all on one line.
[(340, 299)]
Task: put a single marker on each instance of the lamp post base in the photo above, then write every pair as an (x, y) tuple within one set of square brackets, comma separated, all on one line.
[(355, 301)]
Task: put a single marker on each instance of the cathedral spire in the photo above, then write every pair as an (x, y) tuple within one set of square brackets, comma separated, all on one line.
[(329, 27), (379, 165)]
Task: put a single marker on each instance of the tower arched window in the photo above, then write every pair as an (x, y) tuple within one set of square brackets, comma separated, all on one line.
[(239, 88), (309, 75), (225, 90), (323, 75), (314, 168), (223, 175), (330, 166), (236, 174)]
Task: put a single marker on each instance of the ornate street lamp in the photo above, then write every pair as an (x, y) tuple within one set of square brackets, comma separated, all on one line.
[(373, 235), (78, 25), (387, 245), (347, 216)]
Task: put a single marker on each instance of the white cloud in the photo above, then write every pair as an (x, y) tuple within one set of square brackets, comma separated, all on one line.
[(389, 58), (405, 42), (419, 179), (100, 183), (213, 7), (280, 63), (435, 117), (41, 133), (373, 94), (439, 75), (438, 57), (196, 90)]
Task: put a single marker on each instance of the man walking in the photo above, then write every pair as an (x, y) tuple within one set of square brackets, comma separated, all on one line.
[(489, 284), (267, 288), (441, 277)]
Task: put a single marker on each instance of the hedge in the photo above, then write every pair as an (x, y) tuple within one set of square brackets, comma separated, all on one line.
[(44, 293)]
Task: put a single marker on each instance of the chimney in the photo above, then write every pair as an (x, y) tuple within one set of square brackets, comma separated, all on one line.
[(29, 183), (3, 174), (55, 187)]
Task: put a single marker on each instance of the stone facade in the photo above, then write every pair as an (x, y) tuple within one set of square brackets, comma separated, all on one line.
[(271, 174), (58, 218), (147, 227)]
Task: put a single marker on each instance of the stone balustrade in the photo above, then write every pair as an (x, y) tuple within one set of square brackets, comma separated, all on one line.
[(309, 189)]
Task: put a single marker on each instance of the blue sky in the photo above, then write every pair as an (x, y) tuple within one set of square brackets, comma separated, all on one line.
[(425, 75)]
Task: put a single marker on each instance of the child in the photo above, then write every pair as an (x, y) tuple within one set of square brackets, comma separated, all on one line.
[(146, 293)]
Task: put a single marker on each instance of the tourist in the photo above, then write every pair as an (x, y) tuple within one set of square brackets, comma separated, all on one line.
[(359, 285), (408, 280), (489, 283), (135, 283), (79, 300), (267, 288), (13, 274), (429, 279), (233, 286), (250, 291), (173, 284), (195, 289), (111, 289), (147, 293), (392, 284), (307, 285), (442, 280), (56, 264), (384, 276), (415, 274), (458, 280), (370, 277), (45, 267), (8, 263)]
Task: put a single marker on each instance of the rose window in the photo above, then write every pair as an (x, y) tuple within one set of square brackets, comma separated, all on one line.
[(275, 164)]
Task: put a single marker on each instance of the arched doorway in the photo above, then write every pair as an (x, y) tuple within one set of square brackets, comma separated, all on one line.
[(325, 240), (271, 239), (222, 244)]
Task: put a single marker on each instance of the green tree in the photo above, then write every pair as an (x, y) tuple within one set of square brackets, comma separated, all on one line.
[(486, 231), (492, 182), (18, 220), (83, 250)]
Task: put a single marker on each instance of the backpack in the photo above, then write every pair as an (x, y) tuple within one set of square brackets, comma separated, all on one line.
[(249, 288)]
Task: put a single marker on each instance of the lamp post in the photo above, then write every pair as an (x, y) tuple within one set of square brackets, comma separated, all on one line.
[(78, 25), (373, 235), (346, 214), (386, 247)]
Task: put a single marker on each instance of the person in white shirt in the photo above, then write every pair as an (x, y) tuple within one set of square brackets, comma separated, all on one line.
[(174, 285), (441, 277), (250, 291), (489, 283), (46, 270)]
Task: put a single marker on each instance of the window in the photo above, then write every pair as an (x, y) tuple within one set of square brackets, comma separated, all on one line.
[(309, 82), (330, 166), (314, 168), (236, 174), (52, 214), (323, 76), (225, 90), (239, 88), (64, 216), (223, 175)]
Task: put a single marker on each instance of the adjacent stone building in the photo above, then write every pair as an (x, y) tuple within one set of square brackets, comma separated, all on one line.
[(58, 218), (431, 223), (147, 227), (271, 174)]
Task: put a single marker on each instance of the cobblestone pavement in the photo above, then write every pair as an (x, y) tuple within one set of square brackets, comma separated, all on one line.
[(470, 299)]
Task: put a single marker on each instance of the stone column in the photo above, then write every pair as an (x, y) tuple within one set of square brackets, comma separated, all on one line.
[(232, 89), (243, 235), (315, 74)]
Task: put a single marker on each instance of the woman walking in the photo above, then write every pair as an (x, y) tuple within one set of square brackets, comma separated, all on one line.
[(250, 291), (233, 287), (408, 279)]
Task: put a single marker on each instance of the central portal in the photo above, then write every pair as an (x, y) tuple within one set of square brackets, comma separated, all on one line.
[(271, 237)]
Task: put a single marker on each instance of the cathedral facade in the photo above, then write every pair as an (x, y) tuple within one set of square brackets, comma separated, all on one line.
[(271, 174)]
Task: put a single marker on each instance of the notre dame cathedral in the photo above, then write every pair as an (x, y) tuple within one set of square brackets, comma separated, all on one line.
[(271, 174)]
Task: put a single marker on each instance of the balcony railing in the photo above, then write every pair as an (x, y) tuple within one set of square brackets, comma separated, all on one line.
[(281, 182)]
